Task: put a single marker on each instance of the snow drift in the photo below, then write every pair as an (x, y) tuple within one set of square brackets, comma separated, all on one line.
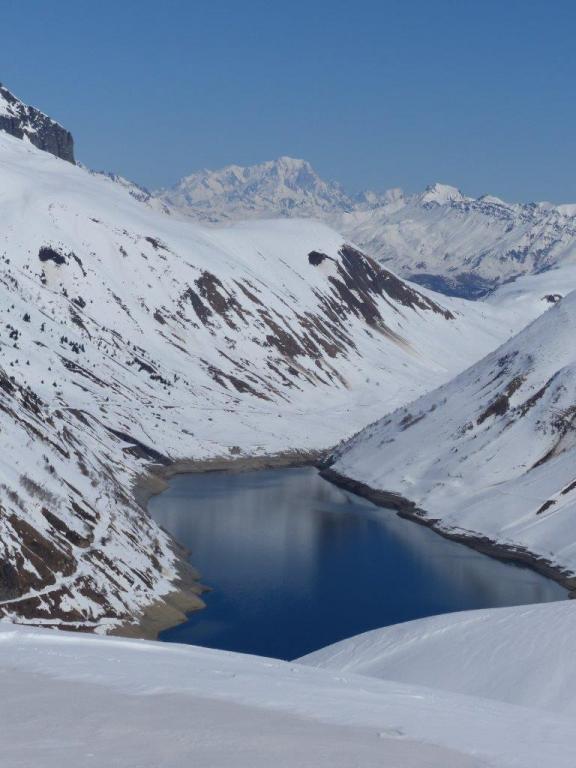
[(524, 655), (108, 701)]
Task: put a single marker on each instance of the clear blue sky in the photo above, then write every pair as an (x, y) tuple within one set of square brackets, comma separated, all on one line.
[(479, 94)]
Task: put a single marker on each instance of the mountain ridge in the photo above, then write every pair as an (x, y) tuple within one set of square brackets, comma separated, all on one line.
[(439, 238)]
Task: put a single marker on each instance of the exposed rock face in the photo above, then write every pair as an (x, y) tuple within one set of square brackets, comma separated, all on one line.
[(20, 120)]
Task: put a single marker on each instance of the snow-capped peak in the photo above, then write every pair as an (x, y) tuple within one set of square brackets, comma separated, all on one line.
[(462, 245), (441, 194), (285, 187), (567, 209)]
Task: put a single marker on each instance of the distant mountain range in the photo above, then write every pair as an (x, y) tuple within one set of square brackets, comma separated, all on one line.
[(279, 188), (440, 238), (461, 245)]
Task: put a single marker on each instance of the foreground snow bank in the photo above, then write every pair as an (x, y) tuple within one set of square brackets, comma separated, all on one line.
[(523, 655), (83, 700)]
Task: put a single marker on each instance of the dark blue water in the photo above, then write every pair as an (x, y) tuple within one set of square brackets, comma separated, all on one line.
[(296, 563)]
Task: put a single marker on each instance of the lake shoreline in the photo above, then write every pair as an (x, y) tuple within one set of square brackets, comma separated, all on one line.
[(407, 509), (172, 609)]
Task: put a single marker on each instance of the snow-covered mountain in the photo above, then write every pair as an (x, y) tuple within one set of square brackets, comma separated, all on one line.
[(440, 238), (139, 193), (461, 245), (283, 188), (491, 455), (130, 337), (25, 122)]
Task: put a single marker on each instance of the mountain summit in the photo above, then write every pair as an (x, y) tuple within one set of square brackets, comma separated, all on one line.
[(286, 187), (442, 194), (25, 122)]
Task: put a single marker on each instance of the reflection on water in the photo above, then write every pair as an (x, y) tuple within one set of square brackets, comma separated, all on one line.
[(296, 563)]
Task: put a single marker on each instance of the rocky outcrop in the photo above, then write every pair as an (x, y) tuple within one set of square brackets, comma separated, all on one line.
[(22, 121)]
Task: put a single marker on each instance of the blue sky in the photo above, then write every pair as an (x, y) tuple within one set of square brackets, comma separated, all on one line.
[(374, 94)]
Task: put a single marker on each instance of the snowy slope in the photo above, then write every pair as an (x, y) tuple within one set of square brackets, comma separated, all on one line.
[(491, 453), (138, 193), (524, 655), (129, 337), (82, 700), (441, 238)]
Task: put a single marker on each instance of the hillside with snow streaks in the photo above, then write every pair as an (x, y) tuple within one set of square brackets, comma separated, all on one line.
[(491, 453), (130, 338)]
